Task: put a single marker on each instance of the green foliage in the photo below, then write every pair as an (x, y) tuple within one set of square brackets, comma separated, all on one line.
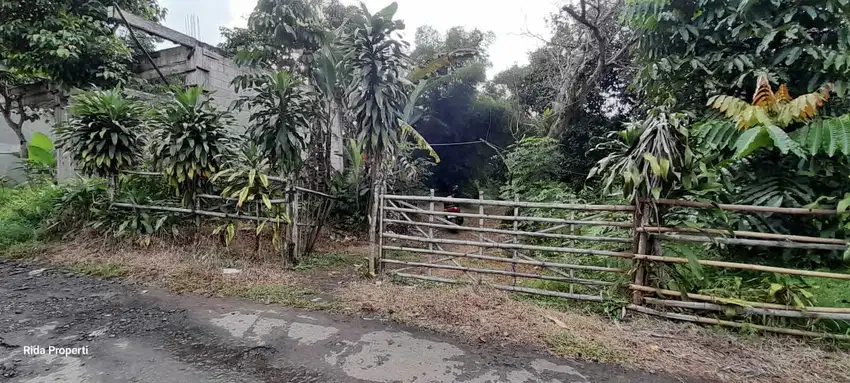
[(376, 93), (352, 188), (67, 42), (829, 136), (530, 162), (276, 28), (281, 110), (41, 151), (105, 133), (192, 141), (23, 211), (690, 50), (650, 157)]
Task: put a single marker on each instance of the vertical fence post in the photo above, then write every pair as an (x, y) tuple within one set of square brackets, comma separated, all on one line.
[(431, 231), (285, 246), (481, 221), (295, 209), (197, 206), (381, 228), (641, 219), (516, 238)]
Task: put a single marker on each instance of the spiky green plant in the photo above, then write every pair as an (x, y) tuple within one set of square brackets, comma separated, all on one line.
[(192, 141), (104, 134)]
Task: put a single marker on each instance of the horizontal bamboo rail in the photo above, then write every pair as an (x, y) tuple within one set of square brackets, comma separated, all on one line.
[(720, 300), (745, 208), (539, 205), (271, 178), (516, 289), (738, 233), (532, 262), (500, 272), (746, 266), (752, 242), (199, 212), (519, 246), (712, 321), (511, 232), (628, 225), (746, 310), (231, 199)]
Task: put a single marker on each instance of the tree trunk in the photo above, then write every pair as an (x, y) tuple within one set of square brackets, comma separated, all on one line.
[(335, 137), (377, 180), (17, 127)]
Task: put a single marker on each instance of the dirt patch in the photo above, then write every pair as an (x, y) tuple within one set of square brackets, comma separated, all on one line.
[(205, 267), (640, 342)]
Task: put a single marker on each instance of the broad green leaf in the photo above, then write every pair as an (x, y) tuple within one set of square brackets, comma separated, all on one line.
[(750, 141), (783, 142)]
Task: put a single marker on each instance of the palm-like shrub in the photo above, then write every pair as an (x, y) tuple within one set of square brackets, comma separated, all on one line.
[(192, 141), (281, 108), (105, 132)]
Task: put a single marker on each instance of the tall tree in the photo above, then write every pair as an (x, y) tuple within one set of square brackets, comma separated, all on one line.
[(376, 93), (63, 43), (588, 43), (691, 50)]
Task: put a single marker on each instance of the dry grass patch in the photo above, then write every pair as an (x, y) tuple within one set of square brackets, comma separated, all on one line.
[(640, 342)]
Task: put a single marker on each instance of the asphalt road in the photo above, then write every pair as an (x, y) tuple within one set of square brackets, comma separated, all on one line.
[(125, 333)]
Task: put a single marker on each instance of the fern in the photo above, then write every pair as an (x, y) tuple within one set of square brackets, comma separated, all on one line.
[(827, 136)]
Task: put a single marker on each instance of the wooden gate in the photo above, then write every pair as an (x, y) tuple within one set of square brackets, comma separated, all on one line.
[(509, 245)]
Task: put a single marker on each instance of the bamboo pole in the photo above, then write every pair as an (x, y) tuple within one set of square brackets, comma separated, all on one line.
[(513, 274), (738, 233), (438, 246), (200, 212), (230, 199), (511, 246), (520, 233), (751, 242), (516, 238), (746, 266), (532, 262), (445, 221), (746, 208), (296, 208), (746, 310), (720, 300), (383, 225), (540, 205), (641, 218), (712, 321), (480, 221), (515, 289), (430, 232), (521, 218)]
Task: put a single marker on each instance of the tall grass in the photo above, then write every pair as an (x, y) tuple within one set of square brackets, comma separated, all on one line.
[(23, 211)]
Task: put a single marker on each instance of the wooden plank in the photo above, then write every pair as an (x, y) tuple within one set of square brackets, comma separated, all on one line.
[(512, 246), (745, 208), (541, 205), (516, 289), (514, 274), (746, 310), (712, 321), (752, 242), (721, 300), (152, 28), (521, 218), (740, 233), (746, 266), (201, 212), (532, 262), (511, 232)]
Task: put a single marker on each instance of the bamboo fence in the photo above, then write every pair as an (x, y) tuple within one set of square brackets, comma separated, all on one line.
[(644, 235), (307, 209)]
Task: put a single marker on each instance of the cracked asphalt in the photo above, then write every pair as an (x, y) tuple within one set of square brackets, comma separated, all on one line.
[(138, 335)]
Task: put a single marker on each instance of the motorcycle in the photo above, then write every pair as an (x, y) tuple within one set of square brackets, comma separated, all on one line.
[(451, 207)]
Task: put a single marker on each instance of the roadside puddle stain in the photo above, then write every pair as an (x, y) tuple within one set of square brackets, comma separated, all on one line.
[(397, 356), (235, 322), (265, 327), (308, 334)]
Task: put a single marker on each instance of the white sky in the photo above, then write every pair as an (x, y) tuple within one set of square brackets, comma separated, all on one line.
[(508, 19)]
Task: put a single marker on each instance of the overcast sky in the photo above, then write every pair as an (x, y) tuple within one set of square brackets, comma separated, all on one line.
[(507, 19)]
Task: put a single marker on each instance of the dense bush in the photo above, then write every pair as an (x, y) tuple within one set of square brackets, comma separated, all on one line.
[(23, 212)]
